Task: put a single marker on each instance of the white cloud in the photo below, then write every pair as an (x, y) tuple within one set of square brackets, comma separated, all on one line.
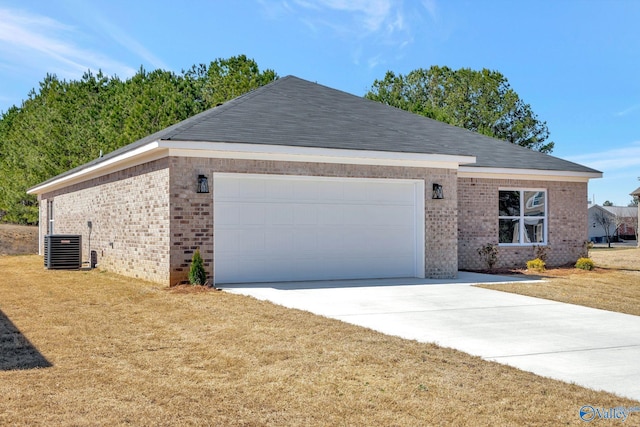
[(620, 167), (398, 24), (612, 160), (117, 34), (374, 29), (371, 14), (432, 8), (628, 110), (42, 44), (374, 61)]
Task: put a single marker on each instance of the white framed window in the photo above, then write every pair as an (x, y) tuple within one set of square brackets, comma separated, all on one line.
[(522, 217)]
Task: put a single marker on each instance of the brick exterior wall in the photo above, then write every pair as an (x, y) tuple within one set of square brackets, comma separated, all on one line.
[(478, 222), (148, 220), (129, 211), (192, 213)]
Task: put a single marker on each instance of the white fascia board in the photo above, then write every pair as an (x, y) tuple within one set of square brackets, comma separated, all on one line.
[(162, 148), (526, 174), (140, 155), (314, 155)]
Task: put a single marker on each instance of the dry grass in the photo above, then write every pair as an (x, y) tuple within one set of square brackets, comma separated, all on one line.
[(614, 285), (627, 258), (123, 352), (18, 239)]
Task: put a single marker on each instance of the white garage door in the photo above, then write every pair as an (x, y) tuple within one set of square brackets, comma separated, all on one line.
[(282, 228)]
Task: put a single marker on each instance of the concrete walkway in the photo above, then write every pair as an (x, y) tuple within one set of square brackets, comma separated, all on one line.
[(593, 348)]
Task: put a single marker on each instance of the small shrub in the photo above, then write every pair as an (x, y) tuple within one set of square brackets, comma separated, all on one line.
[(585, 264), (197, 274), (490, 254), (536, 265)]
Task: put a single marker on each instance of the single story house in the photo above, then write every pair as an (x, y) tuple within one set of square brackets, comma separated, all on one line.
[(623, 221), (298, 181)]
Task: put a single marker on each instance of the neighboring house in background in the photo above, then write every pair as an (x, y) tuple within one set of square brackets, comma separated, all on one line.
[(597, 232), (298, 181), (624, 220), (627, 219)]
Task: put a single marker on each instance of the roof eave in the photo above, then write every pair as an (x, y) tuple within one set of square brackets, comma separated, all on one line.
[(162, 148), (527, 174), (143, 154)]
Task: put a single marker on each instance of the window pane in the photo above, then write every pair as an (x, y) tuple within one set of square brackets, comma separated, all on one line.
[(534, 229), (509, 203), (534, 203), (509, 231)]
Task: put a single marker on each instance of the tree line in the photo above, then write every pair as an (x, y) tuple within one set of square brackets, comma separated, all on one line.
[(63, 124)]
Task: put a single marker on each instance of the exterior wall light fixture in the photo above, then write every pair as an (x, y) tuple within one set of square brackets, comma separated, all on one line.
[(203, 184), (437, 191)]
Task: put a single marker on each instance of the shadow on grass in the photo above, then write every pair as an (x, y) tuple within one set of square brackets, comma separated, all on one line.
[(16, 352)]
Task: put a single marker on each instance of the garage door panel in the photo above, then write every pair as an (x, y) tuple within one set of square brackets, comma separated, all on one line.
[(228, 191), (401, 215), (279, 214), (395, 241), (276, 228), (252, 213), (228, 239), (390, 194), (236, 241), (303, 190), (227, 215), (354, 214), (357, 192), (330, 214), (305, 214), (251, 190), (280, 240), (329, 191), (279, 190), (305, 240), (330, 241)]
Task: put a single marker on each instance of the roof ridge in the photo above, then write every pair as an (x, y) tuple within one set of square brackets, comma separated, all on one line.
[(370, 121)]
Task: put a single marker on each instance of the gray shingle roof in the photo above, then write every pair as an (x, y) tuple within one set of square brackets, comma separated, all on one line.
[(622, 211), (295, 112)]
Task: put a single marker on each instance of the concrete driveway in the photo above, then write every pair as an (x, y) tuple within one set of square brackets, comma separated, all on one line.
[(593, 348)]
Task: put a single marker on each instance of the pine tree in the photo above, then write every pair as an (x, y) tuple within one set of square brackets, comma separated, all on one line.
[(197, 274)]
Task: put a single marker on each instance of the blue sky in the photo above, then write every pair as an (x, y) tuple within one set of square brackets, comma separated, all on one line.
[(577, 63)]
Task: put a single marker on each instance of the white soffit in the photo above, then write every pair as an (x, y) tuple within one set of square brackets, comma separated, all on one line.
[(140, 155), (290, 153), (526, 174), (162, 148)]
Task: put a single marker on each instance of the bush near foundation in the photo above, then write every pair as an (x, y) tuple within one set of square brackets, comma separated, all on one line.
[(489, 254), (536, 265), (585, 264), (197, 274)]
